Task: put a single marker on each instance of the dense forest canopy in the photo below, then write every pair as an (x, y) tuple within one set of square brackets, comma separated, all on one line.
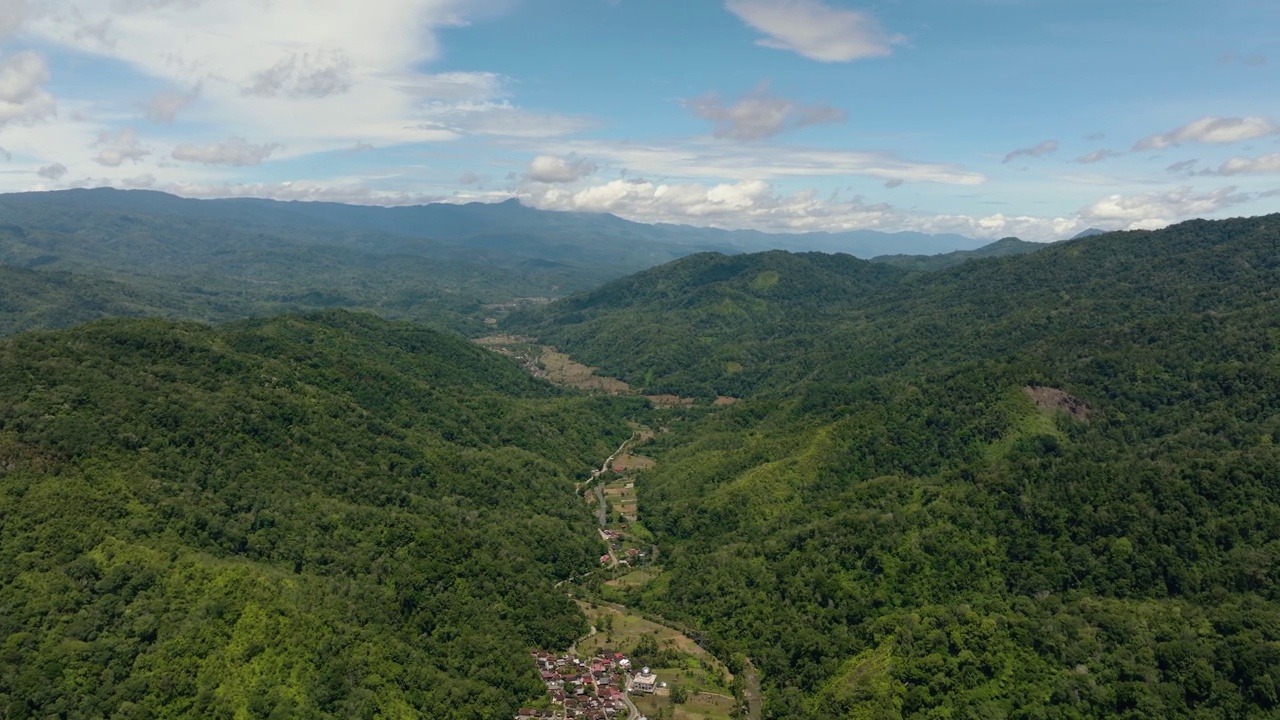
[(1039, 486), (1024, 482), (322, 516)]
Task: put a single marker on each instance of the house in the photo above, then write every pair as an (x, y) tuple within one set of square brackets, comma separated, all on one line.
[(644, 681)]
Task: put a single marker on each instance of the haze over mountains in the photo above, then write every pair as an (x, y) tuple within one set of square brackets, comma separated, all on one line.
[(443, 263)]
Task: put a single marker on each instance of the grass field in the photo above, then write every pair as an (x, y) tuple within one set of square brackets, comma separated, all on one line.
[(699, 707), (626, 462), (639, 578), (562, 370)]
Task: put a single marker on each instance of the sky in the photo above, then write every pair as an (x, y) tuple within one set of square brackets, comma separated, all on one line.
[(989, 118)]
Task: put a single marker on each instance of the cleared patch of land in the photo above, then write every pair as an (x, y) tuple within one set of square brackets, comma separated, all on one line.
[(639, 578), (701, 706), (627, 627), (627, 462), (1053, 399), (663, 402), (564, 370)]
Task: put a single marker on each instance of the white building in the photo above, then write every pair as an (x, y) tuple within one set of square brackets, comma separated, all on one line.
[(644, 681)]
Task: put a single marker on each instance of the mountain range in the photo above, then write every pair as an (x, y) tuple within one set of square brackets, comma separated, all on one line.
[(1012, 480)]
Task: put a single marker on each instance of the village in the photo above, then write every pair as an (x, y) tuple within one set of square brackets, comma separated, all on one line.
[(593, 689), (593, 679)]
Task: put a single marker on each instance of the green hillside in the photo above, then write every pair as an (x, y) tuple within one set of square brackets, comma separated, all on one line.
[(322, 516), (928, 263), (1044, 486)]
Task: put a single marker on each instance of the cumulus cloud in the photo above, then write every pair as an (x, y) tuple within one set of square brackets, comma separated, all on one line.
[(1097, 156), (304, 75), (5, 155), (1251, 166), (815, 30), (1210, 130), (1047, 147), (139, 182), (1182, 166), (760, 205), (760, 115), (1155, 210), (552, 169), (236, 152), (54, 172), (119, 147), (165, 106), (22, 95), (470, 178)]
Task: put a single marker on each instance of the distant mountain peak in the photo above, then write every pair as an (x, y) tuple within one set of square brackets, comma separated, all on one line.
[(1089, 233)]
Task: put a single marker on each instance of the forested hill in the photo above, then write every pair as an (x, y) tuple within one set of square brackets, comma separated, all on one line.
[(1000, 248), (1044, 486), (730, 325), (98, 253), (321, 516)]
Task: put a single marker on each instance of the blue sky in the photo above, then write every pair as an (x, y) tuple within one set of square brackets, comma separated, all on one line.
[(1035, 118)]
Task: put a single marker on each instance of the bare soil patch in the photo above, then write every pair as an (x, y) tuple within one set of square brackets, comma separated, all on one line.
[(1053, 399), (627, 462), (563, 370), (663, 402)]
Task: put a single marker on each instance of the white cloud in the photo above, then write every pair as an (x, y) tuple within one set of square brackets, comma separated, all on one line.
[(1047, 147), (12, 15), (355, 192), (54, 172), (723, 161), (500, 118), (1159, 209), (119, 147), (1242, 166), (1211, 130), (327, 74), (815, 30), (236, 152), (760, 115), (1097, 156), (455, 86), (165, 106), (139, 182), (759, 205), (304, 75), (5, 155), (552, 169), (22, 97)]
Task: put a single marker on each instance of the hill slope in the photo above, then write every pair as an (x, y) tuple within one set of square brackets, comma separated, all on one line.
[(329, 516), (1039, 486), (927, 263)]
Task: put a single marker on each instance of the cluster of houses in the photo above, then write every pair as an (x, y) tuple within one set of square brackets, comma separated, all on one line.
[(591, 689)]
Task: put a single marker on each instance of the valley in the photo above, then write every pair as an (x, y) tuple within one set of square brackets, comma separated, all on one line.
[(796, 486)]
